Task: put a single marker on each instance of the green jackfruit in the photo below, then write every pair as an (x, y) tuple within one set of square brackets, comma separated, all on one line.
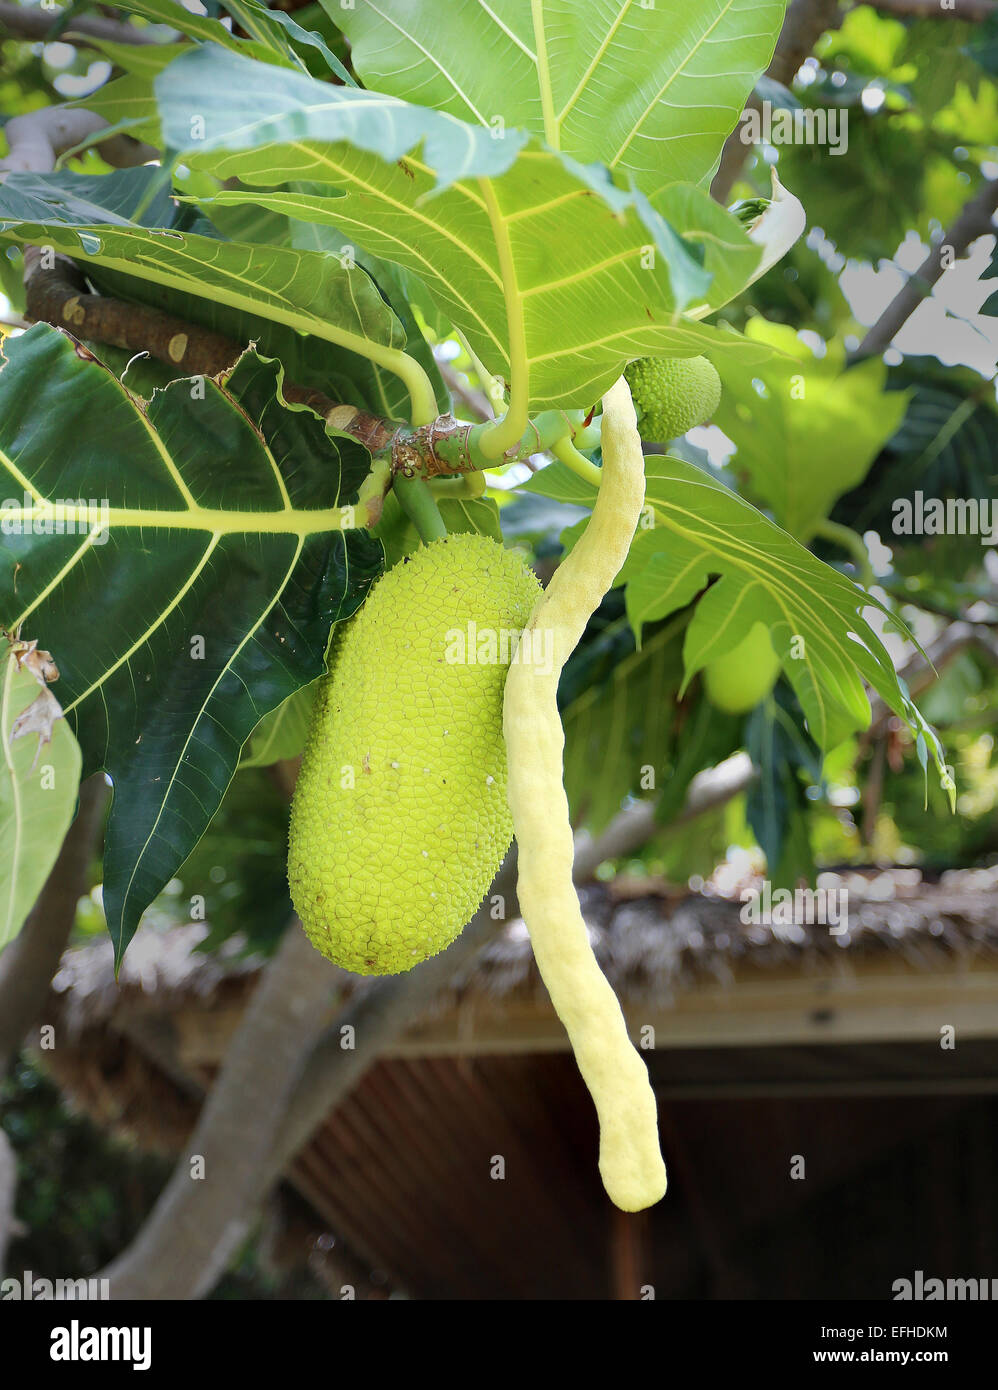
[(400, 819), (672, 394), (737, 681)]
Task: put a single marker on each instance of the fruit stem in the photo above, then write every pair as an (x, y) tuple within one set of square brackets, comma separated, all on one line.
[(566, 452), (419, 505), (851, 541)]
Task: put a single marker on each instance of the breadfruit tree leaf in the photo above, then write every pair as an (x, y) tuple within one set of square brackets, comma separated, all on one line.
[(306, 291), (88, 199), (277, 30), (138, 196), (650, 91), (281, 733), (698, 530), (185, 587), (807, 429), (179, 17), (38, 784), (776, 800), (620, 731), (551, 270)]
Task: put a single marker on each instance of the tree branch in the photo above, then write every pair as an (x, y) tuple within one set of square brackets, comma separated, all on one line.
[(803, 26), (204, 1212), (285, 1071), (58, 294), (8, 1192), (35, 23), (29, 962), (636, 825), (377, 1016), (976, 220), (36, 140)]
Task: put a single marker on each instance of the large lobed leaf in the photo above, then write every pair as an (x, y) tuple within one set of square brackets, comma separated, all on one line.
[(649, 90), (225, 560), (310, 292), (547, 266)]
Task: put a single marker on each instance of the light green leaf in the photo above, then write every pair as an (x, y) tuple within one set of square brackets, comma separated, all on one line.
[(38, 785), (281, 733), (195, 26), (650, 90), (127, 106), (807, 430), (814, 614)]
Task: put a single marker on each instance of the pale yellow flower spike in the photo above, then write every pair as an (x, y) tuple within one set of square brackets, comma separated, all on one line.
[(630, 1158)]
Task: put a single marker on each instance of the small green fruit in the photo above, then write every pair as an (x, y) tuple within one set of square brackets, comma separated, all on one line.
[(400, 819), (737, 681), (672, 394)]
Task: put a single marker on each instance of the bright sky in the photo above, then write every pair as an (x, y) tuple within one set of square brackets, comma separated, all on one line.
[(947, 324)]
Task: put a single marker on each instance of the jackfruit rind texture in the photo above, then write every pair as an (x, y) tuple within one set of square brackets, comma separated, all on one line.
[(672, 394), (737, 681), (400, 821)]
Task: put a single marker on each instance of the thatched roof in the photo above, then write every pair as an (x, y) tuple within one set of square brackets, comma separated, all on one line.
[(162, 967), (396, 1176), (652, 944)]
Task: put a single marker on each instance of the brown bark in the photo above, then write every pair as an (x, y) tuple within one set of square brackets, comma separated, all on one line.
[(8, 1192), (32, 22), (199, 1221), (803, 26), (58, 295), (35, 140)]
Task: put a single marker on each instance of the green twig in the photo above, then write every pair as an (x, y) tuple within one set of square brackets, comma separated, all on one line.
[(566, 452), (852, 542)]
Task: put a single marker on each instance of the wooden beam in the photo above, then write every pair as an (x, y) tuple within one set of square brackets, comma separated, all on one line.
[(885, 1002)]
